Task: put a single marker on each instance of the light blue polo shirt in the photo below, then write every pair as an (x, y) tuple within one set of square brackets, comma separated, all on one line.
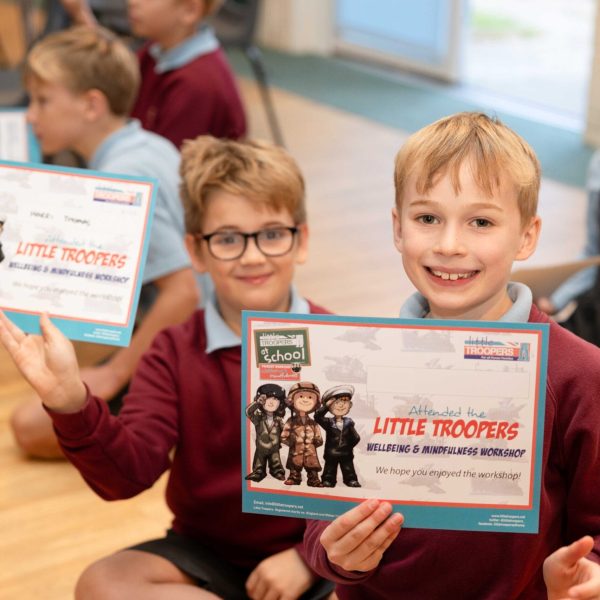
[(417, 306), (219, 334), (204, 41)]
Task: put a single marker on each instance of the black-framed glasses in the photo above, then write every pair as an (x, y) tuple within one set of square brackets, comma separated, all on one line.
[(229, 245)]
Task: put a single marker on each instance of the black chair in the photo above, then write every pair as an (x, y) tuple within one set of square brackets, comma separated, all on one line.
[(235, 25)]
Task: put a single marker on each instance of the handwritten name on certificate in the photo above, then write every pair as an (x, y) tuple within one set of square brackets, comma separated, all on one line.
[(73, 243), (444, 419)]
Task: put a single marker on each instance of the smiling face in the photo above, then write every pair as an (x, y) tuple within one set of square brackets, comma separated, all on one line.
[(458, 246), (271, 404), (253, 281), (305, 401), (340, 407)]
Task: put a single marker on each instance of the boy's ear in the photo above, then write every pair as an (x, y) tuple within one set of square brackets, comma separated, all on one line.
[(195, 253), (302, 244), (95, 104), (193, 11), (529, 238), (397, 228)]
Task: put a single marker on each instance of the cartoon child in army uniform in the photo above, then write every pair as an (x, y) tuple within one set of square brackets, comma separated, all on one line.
[(340, 435), (302, 434), (266, 412)]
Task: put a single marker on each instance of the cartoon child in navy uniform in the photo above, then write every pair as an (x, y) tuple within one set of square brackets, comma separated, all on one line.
[(266, 412), (340, 435), (302, 434)]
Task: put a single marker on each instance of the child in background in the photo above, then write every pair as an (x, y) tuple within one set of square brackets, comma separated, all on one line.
[(246, 226), (466, 200), (187, 88), (82, 83)]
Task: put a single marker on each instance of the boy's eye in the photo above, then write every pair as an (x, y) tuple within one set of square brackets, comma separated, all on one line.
[(227, 239), (427, 219), (273, 234), (481, 222)]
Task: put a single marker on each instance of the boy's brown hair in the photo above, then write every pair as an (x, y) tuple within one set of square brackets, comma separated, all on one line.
[(86, 58), (497, 156), (211, 7), (262, 172)]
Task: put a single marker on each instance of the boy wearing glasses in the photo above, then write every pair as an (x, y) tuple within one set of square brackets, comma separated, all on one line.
[(246, 226)]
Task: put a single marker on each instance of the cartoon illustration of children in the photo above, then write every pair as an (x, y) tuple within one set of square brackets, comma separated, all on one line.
[(302, 434), (266, 412), (340, 435)]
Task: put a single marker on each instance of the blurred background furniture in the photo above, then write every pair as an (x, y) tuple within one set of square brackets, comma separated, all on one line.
[(235, 24)]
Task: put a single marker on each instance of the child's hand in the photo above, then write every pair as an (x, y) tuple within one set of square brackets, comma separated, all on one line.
[(356, 540), (47, 362), (282, 576), (569, 575), (545, 305), (79, 11)]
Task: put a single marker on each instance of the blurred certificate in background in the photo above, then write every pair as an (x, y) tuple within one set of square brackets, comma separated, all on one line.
[(73, 243), (17, 141)]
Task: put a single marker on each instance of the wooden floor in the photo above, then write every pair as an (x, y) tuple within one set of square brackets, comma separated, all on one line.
[(51, 525)]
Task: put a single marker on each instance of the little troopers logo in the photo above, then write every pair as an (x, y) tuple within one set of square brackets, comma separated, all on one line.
[(484, 349)]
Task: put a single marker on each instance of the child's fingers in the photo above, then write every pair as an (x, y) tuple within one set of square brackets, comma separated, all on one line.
[(372, 560), (569, 555), (11, 328), (348, 522)]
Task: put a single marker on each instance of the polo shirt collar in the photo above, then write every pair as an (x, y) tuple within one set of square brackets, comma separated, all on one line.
[(204, 41), (114, 139), (218, 333), (416, 307)]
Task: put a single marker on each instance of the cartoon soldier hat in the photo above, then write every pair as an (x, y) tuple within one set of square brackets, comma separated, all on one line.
[(306, 386), (338, 391), (270, 390)]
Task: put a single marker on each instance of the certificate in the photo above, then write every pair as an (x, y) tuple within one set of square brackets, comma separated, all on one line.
[(444, 419), (17, 141), (73, 243)]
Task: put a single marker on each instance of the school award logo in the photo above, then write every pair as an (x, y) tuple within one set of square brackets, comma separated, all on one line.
[(486, 349), (281, 353)]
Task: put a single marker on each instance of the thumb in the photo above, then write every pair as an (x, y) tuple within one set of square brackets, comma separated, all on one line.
[(569, 555), (50, 332)]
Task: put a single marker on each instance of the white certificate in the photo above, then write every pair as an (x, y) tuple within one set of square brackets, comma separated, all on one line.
[(73, 243), (445, 421)]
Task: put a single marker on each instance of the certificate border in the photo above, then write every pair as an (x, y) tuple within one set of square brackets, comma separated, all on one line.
[(93, 330), (436, 515)]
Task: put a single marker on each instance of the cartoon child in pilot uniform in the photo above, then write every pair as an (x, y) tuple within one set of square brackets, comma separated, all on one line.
[(266, 412)]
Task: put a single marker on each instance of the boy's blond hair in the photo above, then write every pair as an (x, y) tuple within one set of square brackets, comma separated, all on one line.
[(496, 154), (85, 58), (261, 172)]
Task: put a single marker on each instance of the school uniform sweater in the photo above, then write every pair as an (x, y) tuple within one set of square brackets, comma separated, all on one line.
[(187, 400), (197, 98), (433, 564)]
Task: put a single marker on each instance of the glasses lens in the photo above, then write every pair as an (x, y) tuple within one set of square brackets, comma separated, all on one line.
[(276, 241), (226, 245)]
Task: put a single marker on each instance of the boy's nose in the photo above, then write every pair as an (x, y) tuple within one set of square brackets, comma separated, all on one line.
[(251, 253), (449, 241), (30, 114)]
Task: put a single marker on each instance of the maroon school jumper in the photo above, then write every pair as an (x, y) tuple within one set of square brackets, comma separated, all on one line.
[(198, 98), (182, 398), (428, 564)]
